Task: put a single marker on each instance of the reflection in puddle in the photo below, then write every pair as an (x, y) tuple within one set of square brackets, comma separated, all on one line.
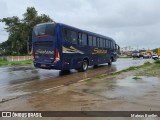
[(22, 68), (25, 79), (64, 72), (127, 88)]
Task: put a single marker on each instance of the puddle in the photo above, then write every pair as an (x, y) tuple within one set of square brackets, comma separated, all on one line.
[(20, 68), (127, 88)]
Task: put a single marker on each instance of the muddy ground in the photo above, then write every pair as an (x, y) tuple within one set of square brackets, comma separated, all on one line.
[(110, 93)]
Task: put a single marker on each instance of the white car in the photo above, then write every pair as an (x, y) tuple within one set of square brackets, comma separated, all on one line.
[(146, 56), (155, 56)]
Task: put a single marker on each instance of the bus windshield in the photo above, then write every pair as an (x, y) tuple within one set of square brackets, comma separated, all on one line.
[(44, 29)]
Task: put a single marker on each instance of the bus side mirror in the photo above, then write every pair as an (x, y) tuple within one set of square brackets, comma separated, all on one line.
[(117, 47)]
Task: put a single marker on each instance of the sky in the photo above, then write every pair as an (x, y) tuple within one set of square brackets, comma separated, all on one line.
[(134, 23)]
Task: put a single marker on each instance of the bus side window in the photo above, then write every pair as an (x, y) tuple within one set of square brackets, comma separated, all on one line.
[(90, 40), (101, 42), (107, 43), (94, 42), (66, 34), (74, 37), (115, 46), (84, 39), (98, 42), (80, 38), (112, 45), (104, 43)]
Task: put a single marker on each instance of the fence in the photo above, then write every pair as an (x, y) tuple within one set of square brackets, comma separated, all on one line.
[(3, 58), (16, 58)]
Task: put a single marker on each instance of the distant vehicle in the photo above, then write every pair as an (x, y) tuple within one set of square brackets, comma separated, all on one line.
[(155, 57), (156, 54), (147, 56), (140, 55), (62, 47), (136, 54), (158, 51)]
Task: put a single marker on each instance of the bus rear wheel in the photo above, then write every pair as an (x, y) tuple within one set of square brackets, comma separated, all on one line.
[(84, 66), (110, 62)]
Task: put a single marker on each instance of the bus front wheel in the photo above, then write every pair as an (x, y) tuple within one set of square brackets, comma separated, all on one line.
[(84, 66)]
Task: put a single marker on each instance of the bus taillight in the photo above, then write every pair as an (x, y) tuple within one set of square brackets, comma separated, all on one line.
[(57, 57), (42, 36)]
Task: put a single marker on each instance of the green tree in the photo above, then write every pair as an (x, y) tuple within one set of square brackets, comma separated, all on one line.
[(20, 31)]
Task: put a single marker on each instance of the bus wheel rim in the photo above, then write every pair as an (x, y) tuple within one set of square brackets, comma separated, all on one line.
[(84, 65)]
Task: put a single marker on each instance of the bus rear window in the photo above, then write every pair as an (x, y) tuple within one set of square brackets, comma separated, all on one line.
[(44, 29)]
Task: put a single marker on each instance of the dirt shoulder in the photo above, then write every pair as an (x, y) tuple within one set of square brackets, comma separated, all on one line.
[(114, 92)]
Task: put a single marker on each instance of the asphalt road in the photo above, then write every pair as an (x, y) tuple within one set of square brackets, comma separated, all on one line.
[(21, 80)]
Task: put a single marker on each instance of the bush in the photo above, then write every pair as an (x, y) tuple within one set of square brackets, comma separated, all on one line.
[(147, 63), (136, 78)]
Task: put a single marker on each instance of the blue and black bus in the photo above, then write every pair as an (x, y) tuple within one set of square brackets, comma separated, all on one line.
[(62, 47)]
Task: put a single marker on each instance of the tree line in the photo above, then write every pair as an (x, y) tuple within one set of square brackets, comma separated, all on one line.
[(20, 32)]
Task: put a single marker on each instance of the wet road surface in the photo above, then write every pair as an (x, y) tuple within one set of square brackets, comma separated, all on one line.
[(127, 88), (110, 93), (25, 79)]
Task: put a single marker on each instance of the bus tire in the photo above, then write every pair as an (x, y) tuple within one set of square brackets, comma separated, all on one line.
[(84, 66), (110, 62)]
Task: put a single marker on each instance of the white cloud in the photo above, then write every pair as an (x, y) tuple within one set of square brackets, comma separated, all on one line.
[(129, 22)]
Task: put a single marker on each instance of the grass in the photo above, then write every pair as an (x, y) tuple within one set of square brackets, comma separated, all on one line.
[(153, 70), (24, 62), (136, 78), (125, 57), (125, 70), (147, 63), (149, 69), (101, 76), (157, 61), (132, 68)]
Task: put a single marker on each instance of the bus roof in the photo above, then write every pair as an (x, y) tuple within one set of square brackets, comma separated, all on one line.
[(68, 26), (92, 33), (46, 23)]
